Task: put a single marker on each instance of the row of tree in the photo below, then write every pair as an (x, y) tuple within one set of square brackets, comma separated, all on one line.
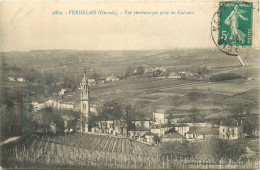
[(214, 149), (115, 111)]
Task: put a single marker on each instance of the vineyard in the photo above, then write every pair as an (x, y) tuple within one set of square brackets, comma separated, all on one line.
[(100, 142), (97, 151)]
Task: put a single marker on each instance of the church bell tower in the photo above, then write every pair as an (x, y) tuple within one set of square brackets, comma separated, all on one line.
[(84, 104)]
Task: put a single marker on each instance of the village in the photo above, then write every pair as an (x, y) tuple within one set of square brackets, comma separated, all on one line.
[(145, 115), (158, 127)]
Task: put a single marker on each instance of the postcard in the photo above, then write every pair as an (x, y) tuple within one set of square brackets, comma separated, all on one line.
[(129, 84)]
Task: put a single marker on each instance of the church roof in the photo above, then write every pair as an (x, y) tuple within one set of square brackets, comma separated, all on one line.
[(84, 79)]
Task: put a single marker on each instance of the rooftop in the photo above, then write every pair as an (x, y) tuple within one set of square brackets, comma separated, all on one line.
[(140, 129), (230, 122), (173, 135), (203, 131)]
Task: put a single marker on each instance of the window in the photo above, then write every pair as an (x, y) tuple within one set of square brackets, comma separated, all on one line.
[(223, 130), (84, 107)]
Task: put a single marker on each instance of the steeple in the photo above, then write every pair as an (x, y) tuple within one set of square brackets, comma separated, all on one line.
[(84, 79), (84, 103)]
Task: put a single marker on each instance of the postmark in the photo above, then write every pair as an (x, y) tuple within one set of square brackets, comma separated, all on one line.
[(231, 26)]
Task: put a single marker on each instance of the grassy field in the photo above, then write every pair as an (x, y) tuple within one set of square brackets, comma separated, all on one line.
[(168, 94)]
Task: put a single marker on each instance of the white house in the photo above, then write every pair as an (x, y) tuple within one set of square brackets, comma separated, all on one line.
[(20, 79), (230, 129), (63, 105), (209, 125), (10, 78), (62, 91), (160, 117), (199, 133), (91, 82), (174, 76), (112, 78), (138, 132), (37, 106), (111, 127), (142, 122), (159, 130), (182, 129)]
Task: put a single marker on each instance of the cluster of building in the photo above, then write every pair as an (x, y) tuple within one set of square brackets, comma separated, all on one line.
[(149, 130), (19, 79), (144, 129)]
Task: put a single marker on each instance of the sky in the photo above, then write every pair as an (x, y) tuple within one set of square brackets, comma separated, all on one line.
[(30, 25)]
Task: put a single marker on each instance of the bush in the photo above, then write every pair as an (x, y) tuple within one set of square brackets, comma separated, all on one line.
[(224, 76), (175, 149)]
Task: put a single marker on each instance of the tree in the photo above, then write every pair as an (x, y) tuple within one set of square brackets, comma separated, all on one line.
[(241, 109), (129, 72), (96, 77), (157, 73), (224, 149), (49, 78), (140, 70), (112, 110), (175, 149), (128, 117), (92, 120), (194, 113), (156, 138), (249, 127)]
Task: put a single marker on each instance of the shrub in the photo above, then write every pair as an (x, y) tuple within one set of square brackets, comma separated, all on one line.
[(224, 76)]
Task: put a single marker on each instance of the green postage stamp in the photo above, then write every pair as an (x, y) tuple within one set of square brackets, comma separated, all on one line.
[(235, 23)]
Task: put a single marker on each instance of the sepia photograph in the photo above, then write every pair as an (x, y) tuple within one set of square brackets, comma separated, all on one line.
[(129, 84)]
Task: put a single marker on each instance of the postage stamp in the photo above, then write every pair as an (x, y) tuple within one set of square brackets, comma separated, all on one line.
[(231, 26), (235, 25)]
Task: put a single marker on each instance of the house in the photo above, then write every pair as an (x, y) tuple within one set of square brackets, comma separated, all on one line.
[(209, 125), (172, 137), (11, 79), (20, 79), (62, 105), (175, 119), (160, 117), (230, 129), (101, 81), (201, 133), (37, 106), (93, 109), (106, 126), (138, 132), (142, 122), (59, 83), (149, 137), (95, 130), (112, 78), (159, 129), (49, 103), (182, 129), (62, 92), (91, 82), (112, 127), (173, 75)]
